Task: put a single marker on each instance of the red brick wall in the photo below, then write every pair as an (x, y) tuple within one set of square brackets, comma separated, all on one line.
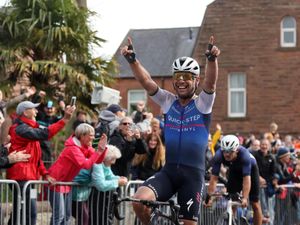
[(248, 33)]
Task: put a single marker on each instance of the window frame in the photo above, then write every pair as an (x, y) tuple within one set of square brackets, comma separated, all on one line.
[(283, 30), (129, 102), (243, 113)]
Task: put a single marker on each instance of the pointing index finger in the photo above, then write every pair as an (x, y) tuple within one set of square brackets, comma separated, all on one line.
[(129, 41), (211, 40)]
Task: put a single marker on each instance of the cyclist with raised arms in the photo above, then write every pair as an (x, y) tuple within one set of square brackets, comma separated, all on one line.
[(187, 119), (243, 174)]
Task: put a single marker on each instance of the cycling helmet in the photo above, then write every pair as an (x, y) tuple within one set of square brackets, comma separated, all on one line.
[(186, 64), (229, 143)]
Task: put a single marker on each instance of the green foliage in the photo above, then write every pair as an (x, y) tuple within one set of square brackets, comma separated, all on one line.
[(35, 38)]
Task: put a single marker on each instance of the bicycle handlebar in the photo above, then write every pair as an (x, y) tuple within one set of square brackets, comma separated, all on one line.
[(116, 200)]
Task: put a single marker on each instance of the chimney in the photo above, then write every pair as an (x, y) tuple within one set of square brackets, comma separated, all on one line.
[(191, 33), (82, 3)]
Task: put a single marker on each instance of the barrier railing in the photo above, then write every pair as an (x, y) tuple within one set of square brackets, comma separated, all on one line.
[(93, 209), (287, 206), (7, 187)]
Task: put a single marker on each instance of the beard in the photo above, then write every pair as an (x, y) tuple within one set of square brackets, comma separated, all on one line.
[(187, 95)]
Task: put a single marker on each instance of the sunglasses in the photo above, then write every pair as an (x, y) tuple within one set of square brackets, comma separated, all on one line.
[(183, 76), (126, 123)]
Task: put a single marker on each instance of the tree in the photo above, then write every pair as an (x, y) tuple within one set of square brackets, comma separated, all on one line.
[(47, 43)]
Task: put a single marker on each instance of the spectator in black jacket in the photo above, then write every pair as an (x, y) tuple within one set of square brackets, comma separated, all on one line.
[(268, 183), (147, 164), (129, 142), (47, 115)]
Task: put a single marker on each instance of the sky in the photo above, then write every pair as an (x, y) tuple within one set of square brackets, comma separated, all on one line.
[(116, 17)]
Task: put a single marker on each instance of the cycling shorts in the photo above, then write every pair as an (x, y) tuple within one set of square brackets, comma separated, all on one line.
[(187, 182), (235, 184)]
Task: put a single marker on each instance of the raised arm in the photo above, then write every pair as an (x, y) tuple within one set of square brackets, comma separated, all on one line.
[(140, 73), (211, 70)]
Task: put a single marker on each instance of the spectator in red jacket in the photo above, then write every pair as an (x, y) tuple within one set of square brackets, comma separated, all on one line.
[(78, 154), (26, 135)]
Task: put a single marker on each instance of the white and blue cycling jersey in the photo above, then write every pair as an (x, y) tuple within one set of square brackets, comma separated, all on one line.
[(186, 127)]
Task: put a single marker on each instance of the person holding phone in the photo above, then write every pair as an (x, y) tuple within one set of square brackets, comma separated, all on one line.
[(26, 134), (187, 119), (73, 100), (129, 142), (48, 114), (77, 154)]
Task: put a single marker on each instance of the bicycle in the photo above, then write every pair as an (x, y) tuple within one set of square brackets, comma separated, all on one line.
[(156, 212), (227, 218)]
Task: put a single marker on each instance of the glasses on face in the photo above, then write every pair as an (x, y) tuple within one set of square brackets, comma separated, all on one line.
[(183, 76), (228, 152), (126, 123)]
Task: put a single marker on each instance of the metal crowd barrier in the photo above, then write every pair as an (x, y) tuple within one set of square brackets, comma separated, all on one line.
[(38, 192), (6, 206), (127, 210), (287, 207)]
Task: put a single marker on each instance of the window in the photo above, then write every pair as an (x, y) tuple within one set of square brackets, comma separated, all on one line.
[(288, 32), (133, 97), (237, 95)]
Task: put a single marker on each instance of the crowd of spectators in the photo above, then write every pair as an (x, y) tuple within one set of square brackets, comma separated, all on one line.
[(136, 151), (278, 159)]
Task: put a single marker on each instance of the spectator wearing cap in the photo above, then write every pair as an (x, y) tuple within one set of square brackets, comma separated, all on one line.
[(119, 112), (283, 169), (47, 115), (26, 134), (284, 175)]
